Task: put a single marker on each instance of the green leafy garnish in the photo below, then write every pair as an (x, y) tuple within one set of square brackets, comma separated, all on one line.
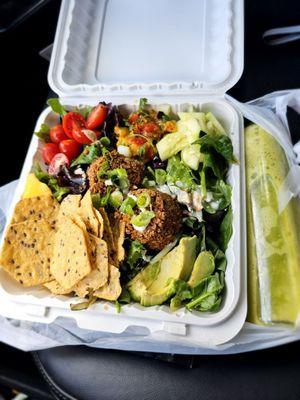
[(160, 176), (226, 230), (206, 296), (43, 133), (220, 143), (221, 196), (89, 154), (135, 253), (59, 192), (56, 106), (218, 165), (177, 172), (143, 104)]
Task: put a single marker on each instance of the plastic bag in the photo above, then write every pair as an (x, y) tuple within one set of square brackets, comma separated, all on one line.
[(273, 209), (268, 112)]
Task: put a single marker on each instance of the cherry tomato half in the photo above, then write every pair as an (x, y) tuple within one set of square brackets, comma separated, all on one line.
[(85, 136), (150, 127), (70, 148), (133, 118), (73, 121), (97, 116), (57, 134), (49, 151), (57, 162)]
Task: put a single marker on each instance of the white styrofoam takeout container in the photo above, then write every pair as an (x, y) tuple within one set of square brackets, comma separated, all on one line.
[(172, 52)]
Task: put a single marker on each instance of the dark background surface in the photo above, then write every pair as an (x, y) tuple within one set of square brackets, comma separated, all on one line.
[(24, 89)]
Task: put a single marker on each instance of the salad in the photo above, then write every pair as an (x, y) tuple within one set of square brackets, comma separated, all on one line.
[(146, 192)]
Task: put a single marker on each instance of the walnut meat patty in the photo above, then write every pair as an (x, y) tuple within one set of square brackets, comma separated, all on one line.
[(134, 169), (163, 227)]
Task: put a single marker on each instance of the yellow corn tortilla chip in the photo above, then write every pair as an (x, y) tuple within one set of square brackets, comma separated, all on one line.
[(86, 211), (100, 221), (79, 222), (112, 290), (34, 187), (108, 236), (68, 207), (56, 288), (36, 208), (70, 262), (118, 229), (98, 277), (27, 251)]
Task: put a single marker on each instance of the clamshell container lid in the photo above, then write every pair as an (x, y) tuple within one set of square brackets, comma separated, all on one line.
[(159, 47)]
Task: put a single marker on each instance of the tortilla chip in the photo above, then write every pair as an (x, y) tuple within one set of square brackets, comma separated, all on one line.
[(27, 251), (98, 277), (112, 290), (70, 262), (86, 211), (118, 229), (108, 236), (69, 206), (36, 208), (56, 288), (79, 222), (100, 221)]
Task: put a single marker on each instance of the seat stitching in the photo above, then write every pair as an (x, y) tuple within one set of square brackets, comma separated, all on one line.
[(57, 391)]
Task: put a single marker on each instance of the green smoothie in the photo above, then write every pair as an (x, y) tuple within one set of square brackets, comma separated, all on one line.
[(273, 238)]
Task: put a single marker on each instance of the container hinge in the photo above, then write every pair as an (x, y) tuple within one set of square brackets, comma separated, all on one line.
[(35, 310), (175, 328)]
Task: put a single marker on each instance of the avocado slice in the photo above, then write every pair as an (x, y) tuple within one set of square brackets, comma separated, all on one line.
[(138, 285), (204, 266), (155, 284)]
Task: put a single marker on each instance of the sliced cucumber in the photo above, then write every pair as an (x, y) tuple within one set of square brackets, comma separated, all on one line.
[(173, 143), (191, 156)]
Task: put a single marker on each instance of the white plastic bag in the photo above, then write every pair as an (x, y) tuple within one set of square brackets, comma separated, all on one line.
[(268, 112)]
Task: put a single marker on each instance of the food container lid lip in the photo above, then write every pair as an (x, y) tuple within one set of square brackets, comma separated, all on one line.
[(94, 48)]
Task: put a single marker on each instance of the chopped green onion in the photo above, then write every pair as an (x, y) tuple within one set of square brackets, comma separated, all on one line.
[(127, 206), (103, 169), (148, 183), (143, 219), (115, 199), (99, 201), (119, 177), (160, 176), (105, 141), (143, 200)]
